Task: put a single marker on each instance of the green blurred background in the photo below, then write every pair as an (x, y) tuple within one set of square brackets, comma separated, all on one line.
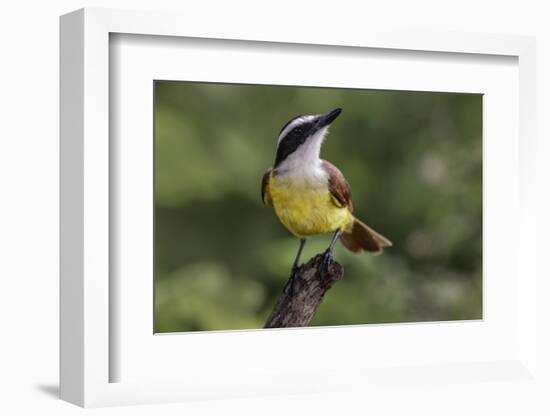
[(414, 164)]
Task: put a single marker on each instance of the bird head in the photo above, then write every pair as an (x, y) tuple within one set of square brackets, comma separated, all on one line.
[(300, 138)]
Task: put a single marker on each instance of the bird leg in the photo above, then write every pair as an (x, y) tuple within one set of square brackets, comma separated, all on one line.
[(327, 256), (295, 266)]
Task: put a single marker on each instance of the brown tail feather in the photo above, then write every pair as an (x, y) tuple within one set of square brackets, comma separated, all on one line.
[(361, 237)]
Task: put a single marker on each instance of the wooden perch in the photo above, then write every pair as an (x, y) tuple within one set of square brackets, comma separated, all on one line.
[(303, 294)]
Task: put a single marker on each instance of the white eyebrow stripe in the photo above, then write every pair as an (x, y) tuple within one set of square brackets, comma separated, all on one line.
[(293, 124)]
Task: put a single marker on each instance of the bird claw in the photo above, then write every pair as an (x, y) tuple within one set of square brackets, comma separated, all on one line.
[(328, 259), (290, 283)]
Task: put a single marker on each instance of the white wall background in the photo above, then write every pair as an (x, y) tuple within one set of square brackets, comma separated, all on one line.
[(29, 206)]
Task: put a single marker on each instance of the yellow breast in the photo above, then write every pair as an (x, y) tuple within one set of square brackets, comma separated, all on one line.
[(306, 208)]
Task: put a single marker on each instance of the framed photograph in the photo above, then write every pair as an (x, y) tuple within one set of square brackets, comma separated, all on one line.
[(218, 242)]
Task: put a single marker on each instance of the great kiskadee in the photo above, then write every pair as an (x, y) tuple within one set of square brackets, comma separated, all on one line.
[(310, 195)]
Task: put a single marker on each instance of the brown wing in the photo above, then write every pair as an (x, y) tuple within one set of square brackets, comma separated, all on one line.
[(338, 186), (266, 198)]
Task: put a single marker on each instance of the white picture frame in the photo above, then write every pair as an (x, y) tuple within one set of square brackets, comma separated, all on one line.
[(87, 356)]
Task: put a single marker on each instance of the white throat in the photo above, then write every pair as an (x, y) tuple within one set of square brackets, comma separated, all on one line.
[(305, 161)]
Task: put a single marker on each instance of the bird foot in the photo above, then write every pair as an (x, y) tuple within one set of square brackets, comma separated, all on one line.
[(290, 283), (326, 262)]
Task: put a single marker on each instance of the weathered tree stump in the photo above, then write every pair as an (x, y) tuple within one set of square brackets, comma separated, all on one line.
[(304, 293)]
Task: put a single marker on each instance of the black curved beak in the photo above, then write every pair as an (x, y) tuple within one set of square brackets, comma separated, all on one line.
[(327, 118)]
